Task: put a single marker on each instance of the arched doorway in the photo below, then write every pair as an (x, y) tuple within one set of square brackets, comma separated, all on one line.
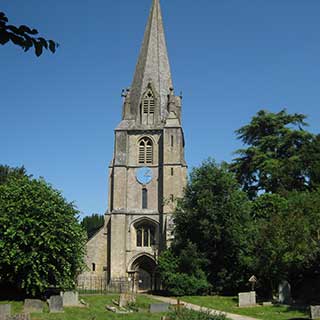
[(144, 268)]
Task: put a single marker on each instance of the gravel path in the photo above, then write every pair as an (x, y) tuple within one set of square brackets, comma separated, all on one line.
[(198, 308)]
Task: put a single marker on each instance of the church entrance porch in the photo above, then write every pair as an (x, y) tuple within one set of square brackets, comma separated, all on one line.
[(143, 274)]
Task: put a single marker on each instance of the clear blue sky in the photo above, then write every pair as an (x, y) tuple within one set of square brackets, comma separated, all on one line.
[(230, 58)]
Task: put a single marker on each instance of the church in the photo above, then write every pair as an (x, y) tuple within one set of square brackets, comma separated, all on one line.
[(147, 173)]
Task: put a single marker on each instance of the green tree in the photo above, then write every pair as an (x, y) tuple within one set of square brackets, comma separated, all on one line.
[(24, 37), (92, 224), (214, 216), (7, 172), (287, 239), (280, 156), (41, 240), (183, 274)]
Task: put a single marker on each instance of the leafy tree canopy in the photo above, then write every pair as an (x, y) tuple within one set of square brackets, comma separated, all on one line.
[(41, 241), (7, 172), (214, 217), (287, 240), (92, 224), (281, 156), (24, 37)]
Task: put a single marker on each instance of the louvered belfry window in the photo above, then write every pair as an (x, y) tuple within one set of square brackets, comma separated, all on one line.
[(145, 151), (148, 103)]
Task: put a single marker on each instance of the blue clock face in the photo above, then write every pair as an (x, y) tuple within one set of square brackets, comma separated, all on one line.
[(144, 175)]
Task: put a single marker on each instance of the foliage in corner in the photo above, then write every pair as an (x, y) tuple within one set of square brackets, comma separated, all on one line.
[(41, 240), (24, 37)]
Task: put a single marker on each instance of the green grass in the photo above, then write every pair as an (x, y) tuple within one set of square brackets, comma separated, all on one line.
[(96, 310), (229, 304)]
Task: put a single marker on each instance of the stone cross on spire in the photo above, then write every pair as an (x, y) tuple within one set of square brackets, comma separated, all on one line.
[(153, 65)]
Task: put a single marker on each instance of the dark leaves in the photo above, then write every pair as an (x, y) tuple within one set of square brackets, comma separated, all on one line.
[(3, 17), (23, 37)]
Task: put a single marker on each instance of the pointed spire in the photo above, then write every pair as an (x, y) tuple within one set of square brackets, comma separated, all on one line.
[(153, 64)]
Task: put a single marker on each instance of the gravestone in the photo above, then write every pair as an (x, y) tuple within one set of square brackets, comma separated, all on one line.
[(284, 290), (126, 298), (5, 310), (247, 299), (70, 298), (315, 312), (159, 307), (23, 316), (56, 304), (33, 305)]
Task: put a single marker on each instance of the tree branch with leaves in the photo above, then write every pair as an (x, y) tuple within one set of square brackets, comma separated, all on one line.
[(24, 37)]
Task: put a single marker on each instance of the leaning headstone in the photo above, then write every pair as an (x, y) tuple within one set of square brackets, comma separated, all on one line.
[(159, 307), (284, 293), (70, 298), (315, 312), (33, 305), (125, 299), (56, 304), (23, 316), (5, 310), (247, 299)]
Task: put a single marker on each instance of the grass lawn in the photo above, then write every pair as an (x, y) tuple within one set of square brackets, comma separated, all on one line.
[(229, 304), (96, 310)]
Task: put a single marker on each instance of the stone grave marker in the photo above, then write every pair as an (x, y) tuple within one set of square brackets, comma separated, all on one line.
[(70, 298), (315, 312), (5, 310), (125, 299), (55, 304), (33, 305), (247, 299), (285, 292), (159, 307)]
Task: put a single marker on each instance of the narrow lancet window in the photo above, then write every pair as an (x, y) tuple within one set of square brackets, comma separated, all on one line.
[(144, 198), (148, 107), (145, 151)]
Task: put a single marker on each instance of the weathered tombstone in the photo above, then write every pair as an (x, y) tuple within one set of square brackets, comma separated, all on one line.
[(247, 299), (23, 316), (56, 304), (33, 305), (284, 292), (159, 307), (5, 310), (70, 298), (126, 298), (315, 312)]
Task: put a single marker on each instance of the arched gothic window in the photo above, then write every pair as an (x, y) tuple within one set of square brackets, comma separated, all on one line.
[(145, 235), (148, 102), (145, 151), (148, 107)]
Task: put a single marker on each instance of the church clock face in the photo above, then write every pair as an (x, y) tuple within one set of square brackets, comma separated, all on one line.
[(144, 175)]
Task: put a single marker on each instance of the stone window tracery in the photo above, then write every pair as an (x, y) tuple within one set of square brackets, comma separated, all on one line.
[(145, 151), (148, 107), (145, 235)]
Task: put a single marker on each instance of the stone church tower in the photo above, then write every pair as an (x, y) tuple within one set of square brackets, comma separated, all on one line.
[(148, 170)]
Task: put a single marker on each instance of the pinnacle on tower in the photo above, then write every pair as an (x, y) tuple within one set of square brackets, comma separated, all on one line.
[(153, 64)]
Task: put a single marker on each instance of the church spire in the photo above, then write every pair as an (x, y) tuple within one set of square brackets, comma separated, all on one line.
[(153, 66)]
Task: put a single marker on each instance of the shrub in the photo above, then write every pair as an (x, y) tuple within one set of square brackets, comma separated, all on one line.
[(186, 314)]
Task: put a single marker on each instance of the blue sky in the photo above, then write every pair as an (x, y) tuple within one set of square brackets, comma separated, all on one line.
[(230, 58)]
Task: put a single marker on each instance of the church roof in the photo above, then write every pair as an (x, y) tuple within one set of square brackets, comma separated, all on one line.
[(153, 63)]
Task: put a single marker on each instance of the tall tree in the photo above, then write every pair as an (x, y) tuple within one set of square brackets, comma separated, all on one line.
[(277, 158), (214, 216), (24, 37), (41, 240), (287, 241)]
